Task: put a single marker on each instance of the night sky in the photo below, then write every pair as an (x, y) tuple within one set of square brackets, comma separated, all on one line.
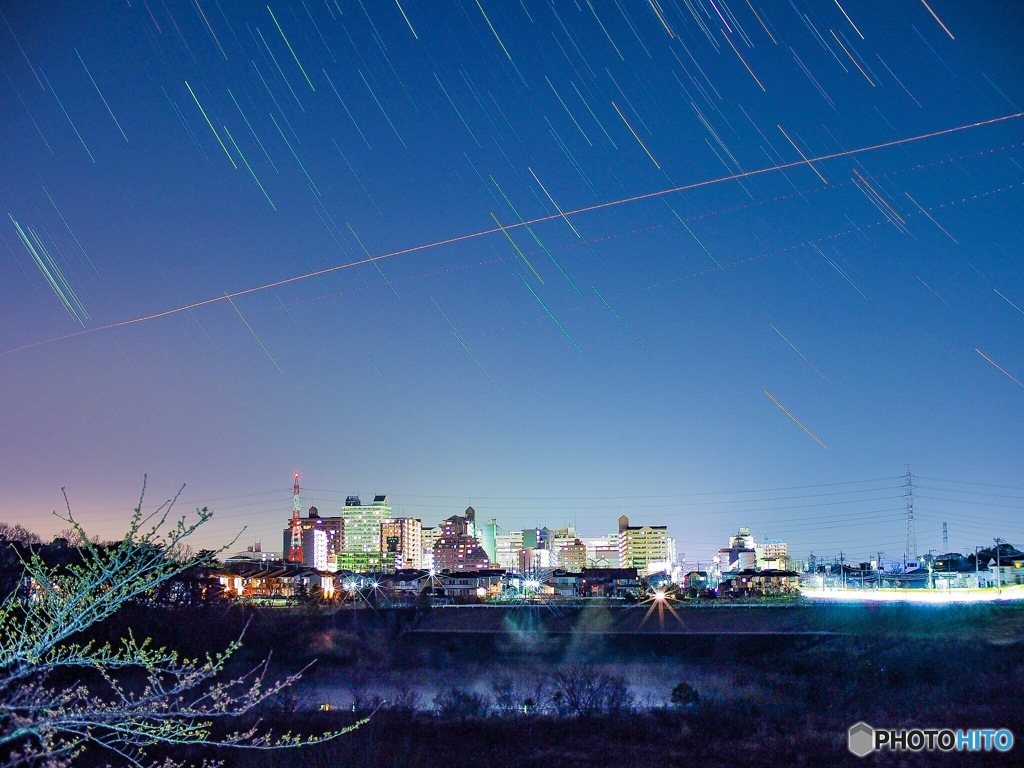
[(705, 263)]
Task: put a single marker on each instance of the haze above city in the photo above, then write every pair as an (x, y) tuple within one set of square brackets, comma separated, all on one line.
[(705, 264)]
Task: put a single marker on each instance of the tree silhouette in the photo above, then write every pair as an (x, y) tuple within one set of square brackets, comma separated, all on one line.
[(60, 695)]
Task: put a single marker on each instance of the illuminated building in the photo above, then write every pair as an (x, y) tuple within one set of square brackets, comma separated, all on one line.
[(772, 554), (488, 535), (361, 544), (321, 551), (571, 555), (506, 549), (602, 551), (532, 559), (401, 542), (429, 536), (644, 547), (740, 554), (457, 549)]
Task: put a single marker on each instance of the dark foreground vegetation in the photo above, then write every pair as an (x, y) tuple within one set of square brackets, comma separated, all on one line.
[(465, 700)]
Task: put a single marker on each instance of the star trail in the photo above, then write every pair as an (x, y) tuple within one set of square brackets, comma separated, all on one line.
[(516, 250)]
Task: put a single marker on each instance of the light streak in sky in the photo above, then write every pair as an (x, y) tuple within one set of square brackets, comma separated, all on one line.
[(603, 29), (262, 345), (253, 131), (800, 152), (552, 316), (900, 81), (211, 125), (383, 111), (617, 317), (347, 112), (534, 236), (52, 272), (560, 211), (638, 139), (847, 52), (999, 367), (1008, 301), (504, 232), (798, 352), (849, 20), (294, 56), (795, 420), (561, 214), (249, 167), (737, 52), (944, 27), (100, 94), (400, 8), (758, 17), (932, 219), (79, 242), (568, 111), (72, 122), (367, 252), (465, 345), (17, 42), (493, 30)]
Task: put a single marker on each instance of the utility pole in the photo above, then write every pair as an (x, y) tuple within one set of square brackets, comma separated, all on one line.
[(910, 551), (878, 571), (999, 577)]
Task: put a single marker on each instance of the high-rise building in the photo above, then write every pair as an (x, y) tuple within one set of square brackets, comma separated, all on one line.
[(644, 547), (361, 545), (572, 555), (772, 553), (506, 549), (429, 536), (401, 542), (488, 535), (456, 549)]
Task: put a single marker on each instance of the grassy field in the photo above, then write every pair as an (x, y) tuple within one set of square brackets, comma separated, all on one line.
[(528, 696)]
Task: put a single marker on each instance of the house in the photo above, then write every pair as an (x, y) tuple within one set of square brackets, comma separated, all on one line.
[(471, 586), (696, 580), (565, 583), (767, 582), (409, 581), (609, 582), (261, 581)]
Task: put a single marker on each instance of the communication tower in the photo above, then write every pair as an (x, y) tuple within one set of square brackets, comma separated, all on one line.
[(295, 553), (910, 553)]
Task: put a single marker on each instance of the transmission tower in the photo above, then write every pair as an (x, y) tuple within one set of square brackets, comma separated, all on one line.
[(910, 552), (295, 553), (945, 539)]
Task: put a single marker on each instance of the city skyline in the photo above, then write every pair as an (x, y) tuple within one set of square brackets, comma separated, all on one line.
[(706, 265)]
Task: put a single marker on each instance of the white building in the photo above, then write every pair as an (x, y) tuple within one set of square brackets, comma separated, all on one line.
[(507, 547), (772, 553), (602, 551), (643, 546)]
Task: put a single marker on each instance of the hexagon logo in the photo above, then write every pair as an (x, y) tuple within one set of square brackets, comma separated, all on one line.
[(861, 739)]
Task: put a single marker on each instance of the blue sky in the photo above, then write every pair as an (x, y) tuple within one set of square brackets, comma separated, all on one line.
[(433, 250)]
